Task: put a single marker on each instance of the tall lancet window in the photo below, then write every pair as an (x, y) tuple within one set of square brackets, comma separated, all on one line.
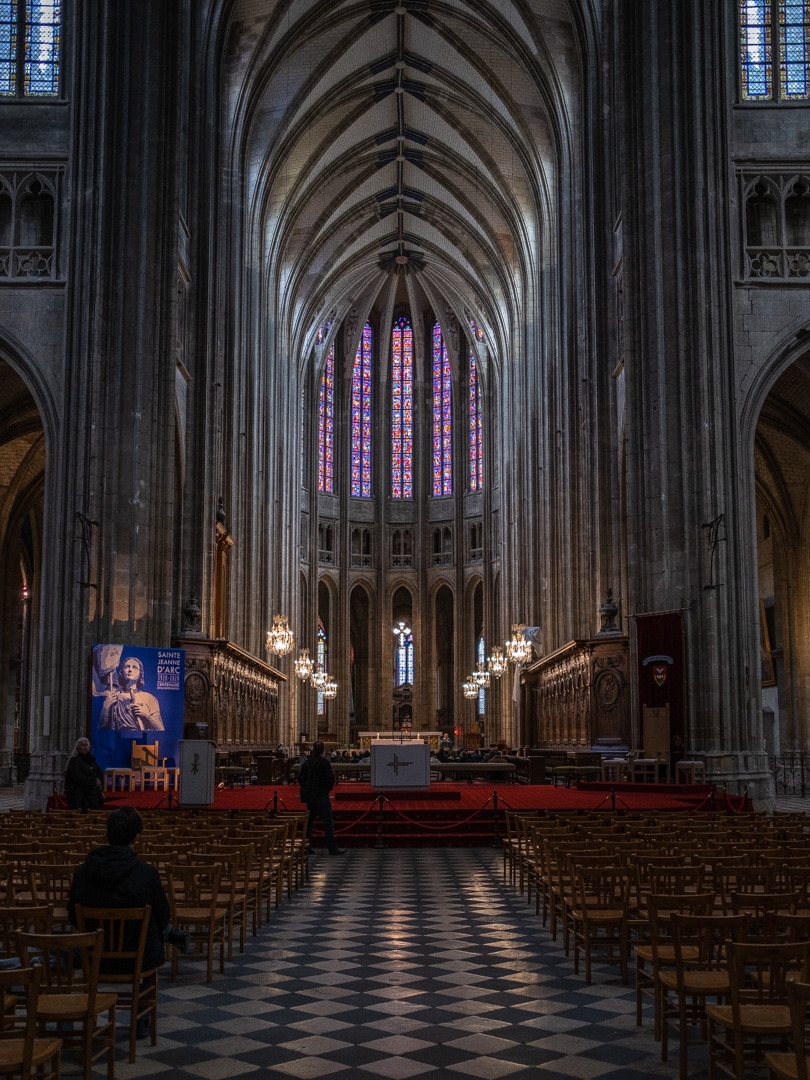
[(476, 430), (442, 416), (402, 409), (326, 426), (320, 660), (361, 417), (482, 666), (403, 658)]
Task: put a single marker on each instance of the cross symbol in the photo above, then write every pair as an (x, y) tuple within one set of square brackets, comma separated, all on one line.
[(396, 765)]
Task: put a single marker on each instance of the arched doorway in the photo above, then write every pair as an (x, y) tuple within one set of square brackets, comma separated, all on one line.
[(22, 482), (782, 476)]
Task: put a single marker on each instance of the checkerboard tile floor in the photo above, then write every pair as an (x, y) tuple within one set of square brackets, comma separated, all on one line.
[(398, 964)]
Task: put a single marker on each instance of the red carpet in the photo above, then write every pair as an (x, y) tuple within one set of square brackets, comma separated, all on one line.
[(449, 814)]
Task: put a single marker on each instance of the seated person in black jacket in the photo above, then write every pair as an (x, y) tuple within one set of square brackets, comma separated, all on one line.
[(114, 876)]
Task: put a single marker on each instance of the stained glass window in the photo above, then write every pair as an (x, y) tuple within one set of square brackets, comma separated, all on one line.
[(326, 426), (442, 416), (361, 417), (482, 666), (476, 430), (404, 659), (320, 661), (402, 409), (775, 49), (30, 40)]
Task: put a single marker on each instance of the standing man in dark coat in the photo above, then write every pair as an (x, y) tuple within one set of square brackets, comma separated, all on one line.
[(316, 780)]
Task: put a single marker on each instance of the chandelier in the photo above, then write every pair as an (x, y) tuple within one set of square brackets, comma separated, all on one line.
[(518, 649), (303, 665), (470, 687), (496, 664), (330, 688), (481, 678), (319, 678), (280, 639)]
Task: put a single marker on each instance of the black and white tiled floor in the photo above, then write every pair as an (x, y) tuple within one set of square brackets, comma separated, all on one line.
[(398, 964)]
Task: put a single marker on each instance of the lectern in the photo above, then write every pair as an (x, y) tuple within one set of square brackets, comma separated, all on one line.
[(197, 759)]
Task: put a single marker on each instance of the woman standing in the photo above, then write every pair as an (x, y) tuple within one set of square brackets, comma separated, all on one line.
[(83, 779)]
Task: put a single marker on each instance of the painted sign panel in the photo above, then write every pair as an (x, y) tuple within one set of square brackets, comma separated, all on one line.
[(137, 697)]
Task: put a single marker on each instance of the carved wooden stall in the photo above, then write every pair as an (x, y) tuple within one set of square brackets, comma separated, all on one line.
[(579, 696), (230, 694)]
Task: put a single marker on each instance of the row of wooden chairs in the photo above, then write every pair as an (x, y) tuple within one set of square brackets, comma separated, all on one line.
[(608, 888)]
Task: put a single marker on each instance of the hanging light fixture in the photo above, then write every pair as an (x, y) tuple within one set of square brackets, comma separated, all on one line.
[(280, 639), (518, 649), (470, 687), (496, 664), (319, 678), (481, 678), (330, 688), (303, 665)]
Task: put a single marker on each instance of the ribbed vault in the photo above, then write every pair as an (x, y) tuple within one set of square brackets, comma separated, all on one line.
[(380, 138)]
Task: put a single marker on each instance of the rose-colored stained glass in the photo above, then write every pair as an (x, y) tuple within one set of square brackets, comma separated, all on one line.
[(326, 426), (402, 409), (442, 416), (476, 429), (361, 418)]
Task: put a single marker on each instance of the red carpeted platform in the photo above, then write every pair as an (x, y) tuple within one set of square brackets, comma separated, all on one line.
[(449, 814)]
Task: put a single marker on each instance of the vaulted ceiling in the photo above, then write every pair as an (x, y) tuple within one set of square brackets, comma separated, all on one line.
[(388, 139)]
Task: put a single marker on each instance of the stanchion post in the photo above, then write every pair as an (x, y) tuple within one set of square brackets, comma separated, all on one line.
[(496, 841), (379, 841)]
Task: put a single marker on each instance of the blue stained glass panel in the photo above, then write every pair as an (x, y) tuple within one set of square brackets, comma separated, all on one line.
[(794, 48), (8, 47), (42, 39), (756, 49)]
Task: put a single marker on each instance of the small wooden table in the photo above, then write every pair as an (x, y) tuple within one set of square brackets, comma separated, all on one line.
[(614, 770), (644, 770), (119, 780), (690, 772), (154, 776)]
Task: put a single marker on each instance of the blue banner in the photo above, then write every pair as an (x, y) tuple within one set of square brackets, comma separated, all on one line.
[(137, 699)]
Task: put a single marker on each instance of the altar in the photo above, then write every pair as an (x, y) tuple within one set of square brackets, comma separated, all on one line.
[(432, 738), (400, 764)]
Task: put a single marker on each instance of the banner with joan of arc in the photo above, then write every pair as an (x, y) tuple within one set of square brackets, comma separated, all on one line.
[(138, 696)]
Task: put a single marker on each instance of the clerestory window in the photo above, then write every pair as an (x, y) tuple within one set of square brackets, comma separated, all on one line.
[(774, 50), (30, 48), (402, 409)]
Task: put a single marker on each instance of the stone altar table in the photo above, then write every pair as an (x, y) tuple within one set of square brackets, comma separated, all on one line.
[(400, 764)]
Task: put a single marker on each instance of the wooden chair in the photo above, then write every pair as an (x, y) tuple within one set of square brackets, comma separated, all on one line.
[(758, 1011), (49, 884), (792, 1065), (125, 931), (232, 890), (194, 894), (7, 891), (599, 914), (18, 917), (658, 951), (22, 1052), (700, 972), (69, 1000)]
